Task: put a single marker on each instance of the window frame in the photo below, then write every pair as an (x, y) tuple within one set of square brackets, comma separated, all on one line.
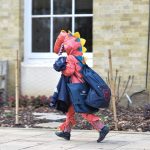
[(36, 56)]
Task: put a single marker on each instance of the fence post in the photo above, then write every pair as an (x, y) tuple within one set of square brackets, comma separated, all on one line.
[(17, 87), (113, 97)]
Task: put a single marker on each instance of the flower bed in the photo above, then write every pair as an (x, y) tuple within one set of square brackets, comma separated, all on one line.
[(128, 120)]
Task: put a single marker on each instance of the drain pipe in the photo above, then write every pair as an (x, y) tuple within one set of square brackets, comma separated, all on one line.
[(148, 45)]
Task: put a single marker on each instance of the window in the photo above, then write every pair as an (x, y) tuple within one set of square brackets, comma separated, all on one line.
[(44, 19)]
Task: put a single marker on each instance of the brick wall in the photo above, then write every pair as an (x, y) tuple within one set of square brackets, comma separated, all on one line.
[(122, 26), (149, 76), (10, 36)]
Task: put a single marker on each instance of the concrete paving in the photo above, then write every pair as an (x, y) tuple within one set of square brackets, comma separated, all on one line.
[(53, 118), (45, 139), (49, 116)]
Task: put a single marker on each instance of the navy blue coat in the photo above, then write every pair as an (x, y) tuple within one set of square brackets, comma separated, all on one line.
[(60, 99)]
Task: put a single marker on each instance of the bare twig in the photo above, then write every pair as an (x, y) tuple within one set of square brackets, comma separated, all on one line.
[(118, 93), (126, 86), (108, 77), (116, 76), (132, 79)]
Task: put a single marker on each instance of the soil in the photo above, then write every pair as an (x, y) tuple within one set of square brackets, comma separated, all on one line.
[(129, 119)]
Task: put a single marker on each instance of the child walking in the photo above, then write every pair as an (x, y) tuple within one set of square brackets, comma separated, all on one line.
[(73, 45)]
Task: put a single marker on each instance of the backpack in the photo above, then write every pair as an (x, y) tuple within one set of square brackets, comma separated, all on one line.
[(99, 94)]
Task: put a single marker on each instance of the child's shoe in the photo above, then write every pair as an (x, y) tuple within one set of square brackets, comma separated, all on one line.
[(104, 131), (65, 135)]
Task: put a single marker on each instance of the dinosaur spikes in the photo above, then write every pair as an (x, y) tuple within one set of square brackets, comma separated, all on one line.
[(76, 34), (82, 41), (84, 49)]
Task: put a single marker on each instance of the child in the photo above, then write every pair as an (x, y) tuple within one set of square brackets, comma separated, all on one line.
[(73, 45)]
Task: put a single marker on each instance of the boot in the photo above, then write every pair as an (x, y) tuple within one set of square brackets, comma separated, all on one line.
[(104, 131), (65, 135)]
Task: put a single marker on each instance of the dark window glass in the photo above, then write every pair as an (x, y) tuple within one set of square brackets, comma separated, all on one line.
[(61, 24), (62, 6), (40, 34), (83, 6), (84, 26), (40, 7)]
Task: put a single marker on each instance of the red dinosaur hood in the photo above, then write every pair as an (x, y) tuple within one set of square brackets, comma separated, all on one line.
[(71, 44)]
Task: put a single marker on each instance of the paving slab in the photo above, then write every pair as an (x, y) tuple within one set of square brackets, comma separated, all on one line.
[(51, 125), (49, 116), (45, 139), (53, 119)]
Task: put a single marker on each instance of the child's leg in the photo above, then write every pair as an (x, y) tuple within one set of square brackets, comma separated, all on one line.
[(70, 120), (67, 125), (98, 125), (94, 120)]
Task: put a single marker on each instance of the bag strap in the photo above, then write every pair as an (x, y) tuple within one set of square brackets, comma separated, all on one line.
[(81, 80), (80, 61)]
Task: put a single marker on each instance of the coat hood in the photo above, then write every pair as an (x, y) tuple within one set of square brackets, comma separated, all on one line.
[(70, 43)]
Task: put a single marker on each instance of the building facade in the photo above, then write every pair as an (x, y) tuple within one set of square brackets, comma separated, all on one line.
[(31, 26)]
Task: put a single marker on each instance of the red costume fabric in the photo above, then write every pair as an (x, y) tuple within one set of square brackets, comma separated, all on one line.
[(73, 47)]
